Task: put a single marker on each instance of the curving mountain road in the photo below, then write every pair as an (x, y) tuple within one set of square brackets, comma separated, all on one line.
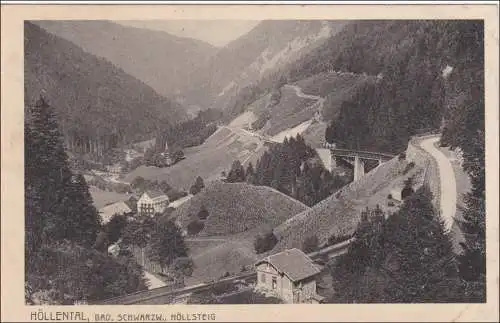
[(300, 94), (448, 182)]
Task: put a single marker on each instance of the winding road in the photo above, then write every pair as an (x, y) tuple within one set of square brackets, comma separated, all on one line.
[(447, 179), (300, 94)]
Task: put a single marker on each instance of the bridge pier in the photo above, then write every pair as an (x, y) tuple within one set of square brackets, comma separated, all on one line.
[(359, 168), (333, 162)]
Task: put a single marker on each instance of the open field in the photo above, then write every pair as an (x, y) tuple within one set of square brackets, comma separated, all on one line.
[(226, 257), (289, 112), (243, 120), (208, 160), (260, 105), (238, 207), (238, 212)]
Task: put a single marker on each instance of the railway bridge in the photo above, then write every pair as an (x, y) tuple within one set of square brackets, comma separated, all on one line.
[(330, 154)]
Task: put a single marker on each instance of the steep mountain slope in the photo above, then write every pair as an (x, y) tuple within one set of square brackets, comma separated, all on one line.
[(409, 58), (404, 61), (159, 59), (263, 50), (98, 104), (238, 207)]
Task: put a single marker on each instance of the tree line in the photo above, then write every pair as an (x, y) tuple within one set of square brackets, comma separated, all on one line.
[(61, 225), (293, 168), (99, 106), (191, 132), (404, 257)]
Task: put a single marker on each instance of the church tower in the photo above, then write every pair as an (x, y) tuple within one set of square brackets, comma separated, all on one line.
[(166, 154)]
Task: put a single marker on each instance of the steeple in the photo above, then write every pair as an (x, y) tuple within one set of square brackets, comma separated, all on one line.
[(166, 147)]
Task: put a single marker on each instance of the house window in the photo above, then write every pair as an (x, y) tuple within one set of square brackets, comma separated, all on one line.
[(263, 278), (275, 283)]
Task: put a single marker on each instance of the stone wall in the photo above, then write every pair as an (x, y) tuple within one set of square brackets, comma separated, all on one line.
[(417, 155)]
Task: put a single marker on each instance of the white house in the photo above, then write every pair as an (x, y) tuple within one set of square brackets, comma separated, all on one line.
[(151, 202), (289, 275)]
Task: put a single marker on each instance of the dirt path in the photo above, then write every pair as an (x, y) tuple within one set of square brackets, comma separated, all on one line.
[(448, 181), (153, 282)]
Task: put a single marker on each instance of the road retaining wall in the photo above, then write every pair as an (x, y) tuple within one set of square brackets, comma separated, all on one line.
[(417, 155)]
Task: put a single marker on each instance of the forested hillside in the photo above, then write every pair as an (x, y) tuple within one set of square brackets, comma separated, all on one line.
[(411, 59), (419, 67), (97, 104), (62, 226), (263, 50), (294, 169), (161, 60)]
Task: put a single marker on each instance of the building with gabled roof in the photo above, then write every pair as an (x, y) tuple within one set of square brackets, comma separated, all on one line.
[(152, 202), (289, 275), (119, 208)]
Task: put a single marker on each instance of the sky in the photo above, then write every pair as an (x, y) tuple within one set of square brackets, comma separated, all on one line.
[(215, 32)]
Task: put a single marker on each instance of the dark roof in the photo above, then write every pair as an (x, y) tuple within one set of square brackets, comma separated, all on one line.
[(154, 193), (130, 204), (294, 263)]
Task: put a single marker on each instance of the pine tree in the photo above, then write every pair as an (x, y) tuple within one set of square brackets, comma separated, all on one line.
[(203, 213), (60, 206), (115, 227), (367, 247), (81, 221), (237, 173), (197, 186), (406, 258), (250, 173), (473, 261), (417, 243), (167, 243)]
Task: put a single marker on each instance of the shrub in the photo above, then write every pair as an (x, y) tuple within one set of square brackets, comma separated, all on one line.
[(402, 156), (406, 192), (138, 182), (408, 167), (265, 242), (203, 214), (195, 227), (174, 194), (197, 186), (183, 266), (224, 287)]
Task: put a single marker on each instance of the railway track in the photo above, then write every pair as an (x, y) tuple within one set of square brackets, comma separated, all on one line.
[(167, 294)]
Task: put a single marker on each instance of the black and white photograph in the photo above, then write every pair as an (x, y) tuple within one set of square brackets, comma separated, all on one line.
[(251, 161), (254, 161)]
